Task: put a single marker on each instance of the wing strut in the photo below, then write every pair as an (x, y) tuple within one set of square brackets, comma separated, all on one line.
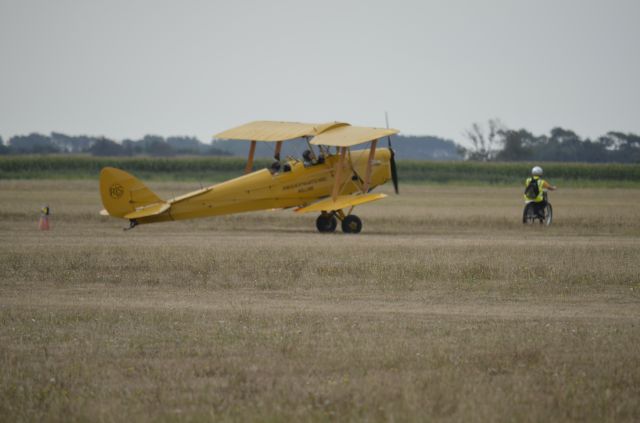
[(252, 152), (337, 183), (367, 178), (276, 154)]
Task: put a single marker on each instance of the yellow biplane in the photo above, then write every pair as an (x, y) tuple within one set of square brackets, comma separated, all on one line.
[(331, 179)]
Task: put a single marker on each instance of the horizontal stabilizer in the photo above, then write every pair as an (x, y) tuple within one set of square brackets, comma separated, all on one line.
[(152, 210), (342, 202)]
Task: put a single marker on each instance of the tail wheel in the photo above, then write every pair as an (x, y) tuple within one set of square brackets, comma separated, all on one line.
[(326, 223), (351, 224)]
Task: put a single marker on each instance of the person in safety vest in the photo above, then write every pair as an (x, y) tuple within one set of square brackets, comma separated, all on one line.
[(534, 189)]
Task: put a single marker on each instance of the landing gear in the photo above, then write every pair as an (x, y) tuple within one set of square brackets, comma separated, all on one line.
[(326, 223), (351, 224)]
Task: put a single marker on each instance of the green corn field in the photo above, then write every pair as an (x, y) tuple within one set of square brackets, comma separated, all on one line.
[(221, 168)]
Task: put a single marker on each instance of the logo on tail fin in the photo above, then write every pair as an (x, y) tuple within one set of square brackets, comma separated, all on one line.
[(116, 191)]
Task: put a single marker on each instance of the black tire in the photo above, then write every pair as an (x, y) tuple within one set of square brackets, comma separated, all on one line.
[(548, 214), (529, 213), (326, 223), (351, 224)]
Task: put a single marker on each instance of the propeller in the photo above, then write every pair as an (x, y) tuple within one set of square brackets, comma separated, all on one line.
[(392, 161)]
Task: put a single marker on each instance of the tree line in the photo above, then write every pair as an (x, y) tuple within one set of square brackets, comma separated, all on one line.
[(406, 147), (149, 145), (496, 142), (490, 142)]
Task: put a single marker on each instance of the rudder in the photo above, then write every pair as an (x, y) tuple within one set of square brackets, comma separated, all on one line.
[(123, 193)]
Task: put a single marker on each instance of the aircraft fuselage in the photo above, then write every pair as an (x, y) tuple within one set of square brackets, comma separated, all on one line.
[(263, 190)]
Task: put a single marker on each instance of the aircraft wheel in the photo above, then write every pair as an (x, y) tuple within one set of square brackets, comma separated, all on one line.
[(351, 224), (326, 223)]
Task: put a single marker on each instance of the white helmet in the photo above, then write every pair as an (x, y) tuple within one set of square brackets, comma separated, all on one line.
[(536, 171)]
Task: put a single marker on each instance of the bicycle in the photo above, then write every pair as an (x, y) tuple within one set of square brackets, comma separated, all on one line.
[(533, 212)]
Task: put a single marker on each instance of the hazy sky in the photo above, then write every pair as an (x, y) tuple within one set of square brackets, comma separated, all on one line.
[(128, 68)]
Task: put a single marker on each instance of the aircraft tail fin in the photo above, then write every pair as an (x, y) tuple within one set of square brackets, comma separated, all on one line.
[(123, 194)]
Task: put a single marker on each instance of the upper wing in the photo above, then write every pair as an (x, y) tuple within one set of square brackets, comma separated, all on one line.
[(337, 134), (347, 136), (271, 131)]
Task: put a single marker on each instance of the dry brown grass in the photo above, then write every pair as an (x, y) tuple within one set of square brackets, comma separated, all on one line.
[(444, 308)]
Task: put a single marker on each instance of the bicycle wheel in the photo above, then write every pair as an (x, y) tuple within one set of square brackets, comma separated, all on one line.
[(548, 214), (529, 213)]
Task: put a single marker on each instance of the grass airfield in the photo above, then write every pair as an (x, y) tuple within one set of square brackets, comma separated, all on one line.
[(444, 308)]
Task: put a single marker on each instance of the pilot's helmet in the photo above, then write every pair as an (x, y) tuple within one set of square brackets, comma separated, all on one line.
[(307, 155)]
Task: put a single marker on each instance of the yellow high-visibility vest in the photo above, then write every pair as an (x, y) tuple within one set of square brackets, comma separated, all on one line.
[(541, 183)]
